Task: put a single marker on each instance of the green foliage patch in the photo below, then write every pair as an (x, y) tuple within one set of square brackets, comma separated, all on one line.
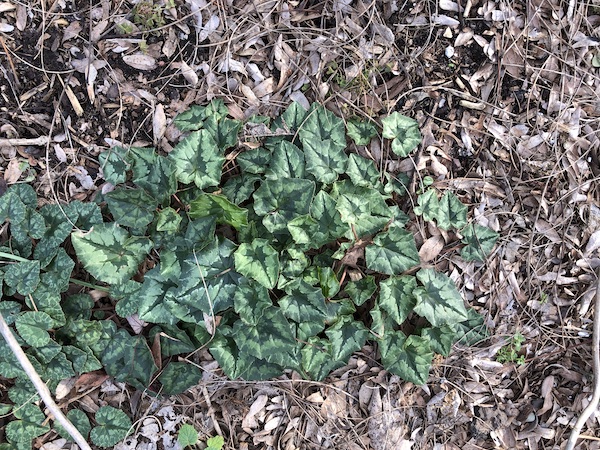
[(251, 259)]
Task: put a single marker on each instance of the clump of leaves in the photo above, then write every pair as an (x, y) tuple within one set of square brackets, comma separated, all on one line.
[(510, 352), (287, 256)]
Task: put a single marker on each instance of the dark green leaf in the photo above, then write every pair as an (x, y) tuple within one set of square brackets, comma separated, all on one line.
[(409, 358), (113, 425), (404, 131), (280, 201), (396, 297), (428, 206), (33, 327), (451, 213), (77, 418), (128, 358), (254, 161), (168, 220), (392, 252), (115, 163), (178, 377), (28, 426), (23, 276), (259, 261), (438, 300), (271, 339), (239, 189), (110, 253), (317, 359), (287, 161), (154, 173), (361, 132), (10, 311), (198, 160), (479, 242), (346, 336), (224, 131), (363, 172), (131, 207), (362, 290), (306, 303), (331, 226), (441, 339), (237, 364)]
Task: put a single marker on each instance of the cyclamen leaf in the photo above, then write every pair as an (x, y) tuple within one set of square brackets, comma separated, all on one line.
[(404, 131), (77, 418), (238, 364), (24, 276), (178, 377), (441, 339), (287, 161), (271, 340), (324, 142), (113, 426), (280, 201), (451, 213), (224, 131), (361, 132), (363, 172), (362, 290), (317, 358), (131, 207), (409, 358), (396, 297), (128, 358), (110, 253), (479, 242), (259, 261), (33, 327), (438, 300), (346, 337), (115, 163), (254, 161), (168, 220), (222, 209), (198, 160), (392, 252), (29, 425), (153, 173), (428, 206)]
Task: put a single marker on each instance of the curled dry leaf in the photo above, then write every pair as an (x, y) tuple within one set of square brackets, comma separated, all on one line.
[(431, 248), (140, 61)]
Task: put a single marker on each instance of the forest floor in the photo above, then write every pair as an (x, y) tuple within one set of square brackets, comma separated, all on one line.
[(507, 98)]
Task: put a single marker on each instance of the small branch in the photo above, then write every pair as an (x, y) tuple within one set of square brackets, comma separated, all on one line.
[(587, 412), (17, 142), (40, 386)]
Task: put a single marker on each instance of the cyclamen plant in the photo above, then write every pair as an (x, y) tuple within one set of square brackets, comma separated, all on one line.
[(289, 255)]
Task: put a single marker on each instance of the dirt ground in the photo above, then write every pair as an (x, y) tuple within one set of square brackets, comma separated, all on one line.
[(507, 98)]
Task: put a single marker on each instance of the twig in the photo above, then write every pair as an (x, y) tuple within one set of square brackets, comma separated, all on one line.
[(13, 142), (587, 412), (40, 386)]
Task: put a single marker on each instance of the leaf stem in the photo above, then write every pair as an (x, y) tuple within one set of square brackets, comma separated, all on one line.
[(40, 386)]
